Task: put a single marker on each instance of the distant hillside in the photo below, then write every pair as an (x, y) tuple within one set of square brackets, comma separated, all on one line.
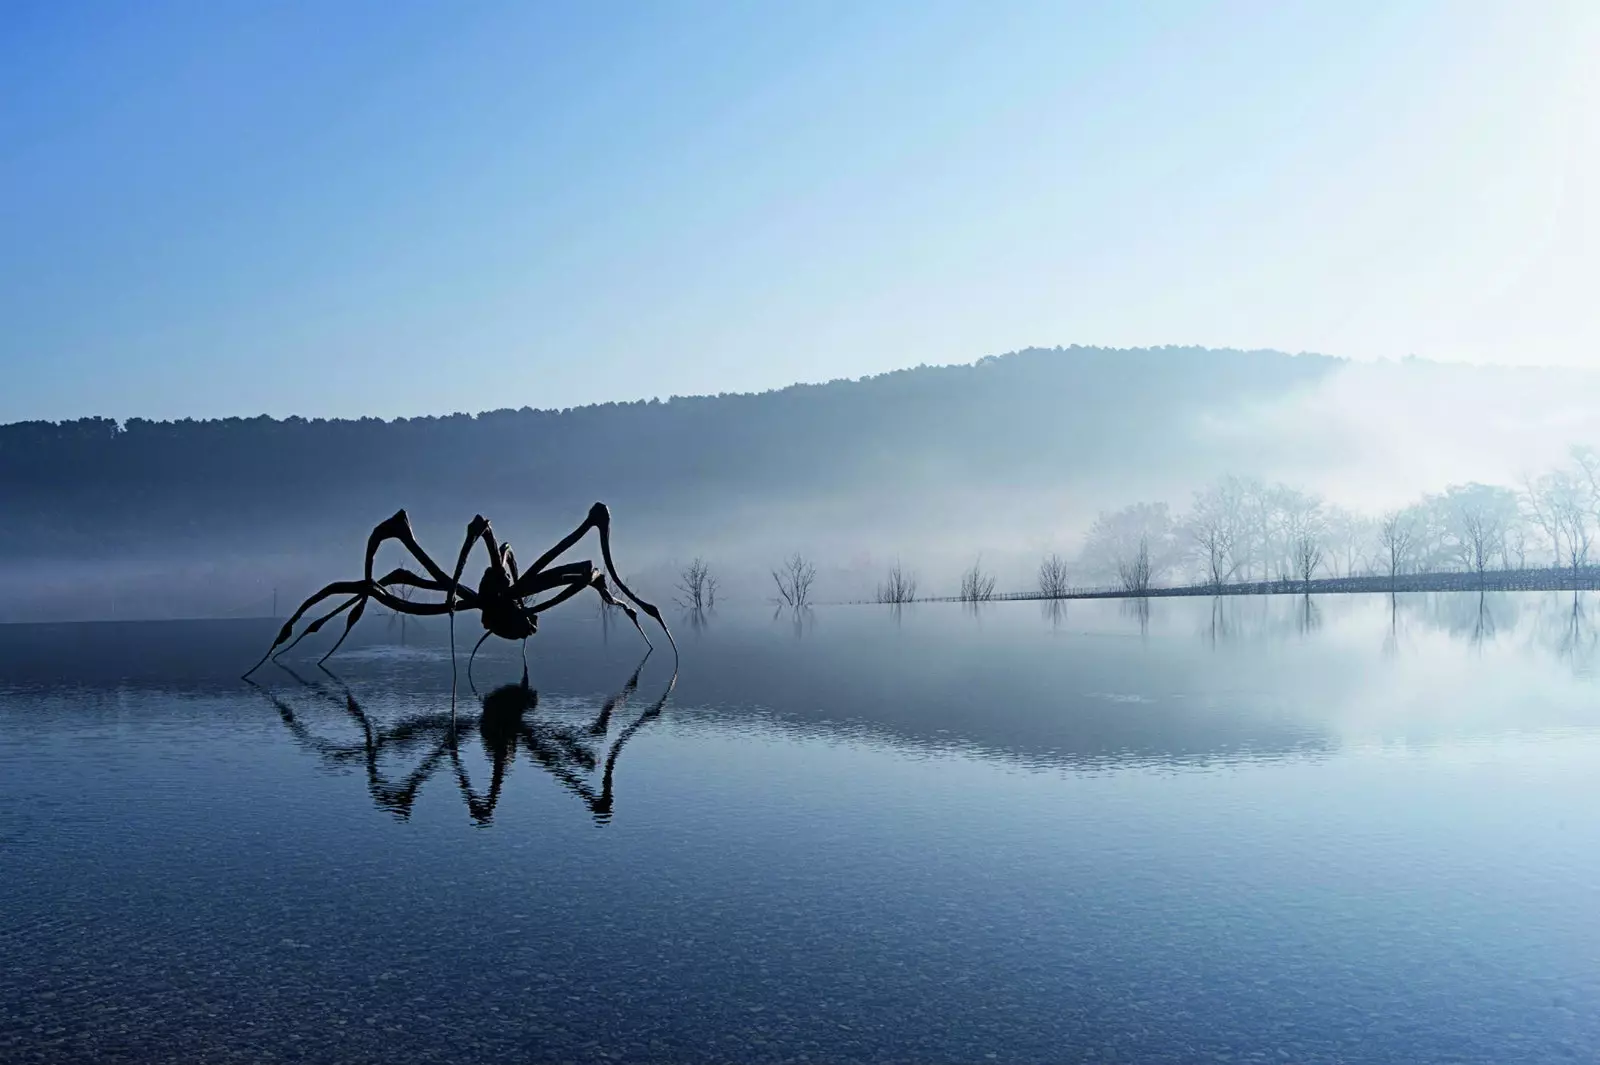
[(1029, 418)]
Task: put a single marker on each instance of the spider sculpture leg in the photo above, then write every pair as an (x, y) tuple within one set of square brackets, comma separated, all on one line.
[(602, 724), (477, 529), (573, 578), (601, 807), (398, 528), (599, 802), (361, 591), (599, 518), (473, 656), (401, 576), (318, 623)]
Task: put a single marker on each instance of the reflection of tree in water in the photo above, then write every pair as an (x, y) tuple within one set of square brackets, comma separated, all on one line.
[(1564, 627), (1138, 608), (1308, 616), (802, 618), (1219, 630), (1244, 618), (1054, 611), (1483, 627), (1577, 641), (1474, 618), (1391, 635), (1558, 623), (505, 727)]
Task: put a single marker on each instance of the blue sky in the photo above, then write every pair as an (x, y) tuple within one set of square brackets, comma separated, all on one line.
[(397, 208)]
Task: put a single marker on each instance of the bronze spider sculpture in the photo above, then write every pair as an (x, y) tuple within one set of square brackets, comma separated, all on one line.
[(502, 595)]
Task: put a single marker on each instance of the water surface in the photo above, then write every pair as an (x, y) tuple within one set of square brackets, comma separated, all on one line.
[(1257, 830)]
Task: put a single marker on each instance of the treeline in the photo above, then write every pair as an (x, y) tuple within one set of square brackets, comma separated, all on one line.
[(1244, 532), (1242, 529)]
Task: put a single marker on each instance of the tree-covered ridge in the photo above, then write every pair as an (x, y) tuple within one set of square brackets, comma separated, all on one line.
[(1014, 419)]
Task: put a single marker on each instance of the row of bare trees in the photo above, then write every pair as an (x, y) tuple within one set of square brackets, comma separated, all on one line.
[(1245, 530), (1241, 529)]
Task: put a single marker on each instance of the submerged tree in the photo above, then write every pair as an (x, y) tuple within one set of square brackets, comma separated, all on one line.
[(794, 579), (976, 585), (900, 587), (1135, 572), (697, 587), (1117, 537), (1053, 578)]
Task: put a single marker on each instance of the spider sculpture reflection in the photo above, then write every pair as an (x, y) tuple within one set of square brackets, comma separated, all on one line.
[(502, 595), (510, 723)]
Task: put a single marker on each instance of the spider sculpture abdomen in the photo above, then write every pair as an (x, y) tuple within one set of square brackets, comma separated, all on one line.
[(502, 615)]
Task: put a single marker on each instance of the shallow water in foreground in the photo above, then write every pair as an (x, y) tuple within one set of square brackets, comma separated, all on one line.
[(1343, 831)]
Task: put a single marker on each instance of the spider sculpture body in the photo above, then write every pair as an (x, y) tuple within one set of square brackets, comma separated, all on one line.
[(503, 592)]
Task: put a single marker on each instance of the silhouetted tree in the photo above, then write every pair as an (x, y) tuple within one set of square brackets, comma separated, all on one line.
[(697, 587), (976, 585), (1213, 541), (1135, 572), (1395, 533), (1349, 538), (1117, 537), (1307, 557), (1053, 578), (794, 579), (1214, 527), (900, 587)]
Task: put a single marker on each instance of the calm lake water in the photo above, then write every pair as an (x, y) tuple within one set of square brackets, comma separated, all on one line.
[(1342, 831)]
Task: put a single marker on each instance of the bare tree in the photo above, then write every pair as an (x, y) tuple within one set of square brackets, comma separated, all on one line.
[(1394, 535), (1214, 545), (1580, 538), (697, 587), (1135, 572), (976, 585), (1307, 557), (1053, 578), (1349, 537), (1477, 518), (1540, 502), (1116, 536), (794, 579), (1479, 535), (1219, 528), (1514, 548), (900, 587), (1561, 504), (1296, 516)]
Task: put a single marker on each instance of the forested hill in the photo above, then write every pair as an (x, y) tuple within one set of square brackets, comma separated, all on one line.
[(97, 488)]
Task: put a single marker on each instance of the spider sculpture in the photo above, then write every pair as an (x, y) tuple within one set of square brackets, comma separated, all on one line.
[(501, 598)]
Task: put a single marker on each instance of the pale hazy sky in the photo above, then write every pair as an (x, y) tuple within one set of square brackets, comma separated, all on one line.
[(399, 208)]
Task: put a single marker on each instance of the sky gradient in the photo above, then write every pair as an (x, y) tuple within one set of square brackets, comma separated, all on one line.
[(400, 208)]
